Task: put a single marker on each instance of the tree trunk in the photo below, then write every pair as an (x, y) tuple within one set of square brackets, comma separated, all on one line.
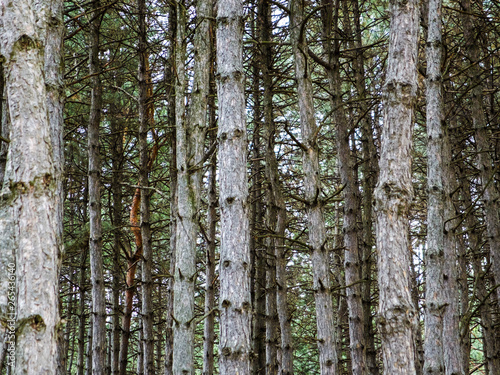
[(369, 169), (314, 205), (116, 188), (351, 197), (209, 328), (81, 317), (95, 242), (276, 202), (394, 192), (28, 202), (276, 216), (235, 299), (442, 341), (146, 120), (190, 140), (171, 77), (257, 249)]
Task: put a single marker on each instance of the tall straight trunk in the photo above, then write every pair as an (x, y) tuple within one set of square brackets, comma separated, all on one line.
[(270, 215), (81, 314), (452, 347), (95, 241), (209, 327), (235, 298), (276, 202), (88, 352), (271, 310), (116, 188), (482, 134), (351, 197), (394, 192), (257, 248), (312, 187), (28, 202), (369, 170), (442, 341), (146, 119), (190, 138), (258, 252), (171, 76)]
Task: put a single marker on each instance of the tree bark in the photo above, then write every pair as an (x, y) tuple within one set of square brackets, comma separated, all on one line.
[(442, 341), (351, 195), (209, 327), (31, 196), (276, 203), (369, 169), (314, 206), (146, 120), (190, 140), (235, 299), (117, 165), (257, 248), (394, 192), (95, 242), (171, 77)]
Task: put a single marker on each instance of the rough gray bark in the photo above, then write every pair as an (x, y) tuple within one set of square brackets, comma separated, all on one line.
[(190, 138), (313, 196), (30, 194), (235, 299), (185, 236), (440, 344), (94, 172), (169, 336), (394, 192)]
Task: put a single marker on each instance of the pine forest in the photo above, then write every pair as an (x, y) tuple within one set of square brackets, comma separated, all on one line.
[(236, 187)]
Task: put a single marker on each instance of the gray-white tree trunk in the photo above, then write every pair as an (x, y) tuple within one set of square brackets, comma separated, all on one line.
[(190, 139), (435, 298), (235, 298), (169, 336), (394, 192), (31, 193), (313, 197)]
